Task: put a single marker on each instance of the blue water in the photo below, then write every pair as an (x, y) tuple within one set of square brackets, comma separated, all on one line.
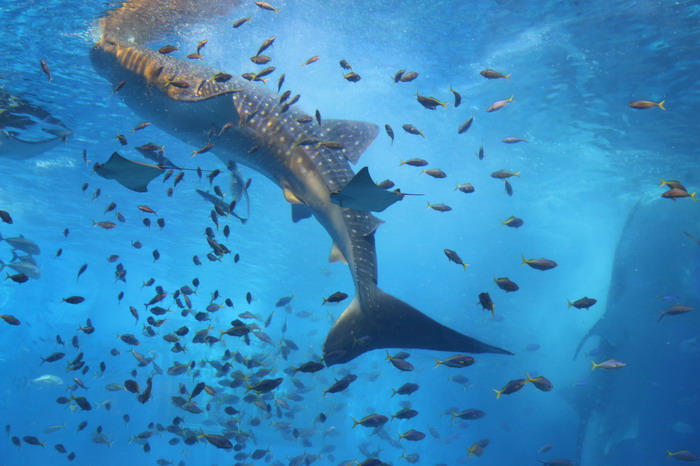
[(588, 162)]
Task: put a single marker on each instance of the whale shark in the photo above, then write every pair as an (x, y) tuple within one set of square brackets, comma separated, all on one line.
[(621, 412), (195, 103)]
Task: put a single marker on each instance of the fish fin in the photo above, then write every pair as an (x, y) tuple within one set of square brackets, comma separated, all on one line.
[(355, 136), (291, 197), (661, 105), (337, 255), (392, 323), (300, 212), (242, 219)]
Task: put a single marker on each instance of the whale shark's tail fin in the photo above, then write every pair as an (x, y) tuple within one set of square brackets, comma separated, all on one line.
[(141, 21), (381, 320)]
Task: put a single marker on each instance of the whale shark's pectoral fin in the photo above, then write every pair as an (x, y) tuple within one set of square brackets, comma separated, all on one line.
[(128, 173), (362, 193), (300, 212)]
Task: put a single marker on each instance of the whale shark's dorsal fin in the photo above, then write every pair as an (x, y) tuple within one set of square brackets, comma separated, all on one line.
[(355, 136)]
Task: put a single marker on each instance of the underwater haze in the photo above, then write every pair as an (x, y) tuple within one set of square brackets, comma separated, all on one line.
[(537, 277)]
